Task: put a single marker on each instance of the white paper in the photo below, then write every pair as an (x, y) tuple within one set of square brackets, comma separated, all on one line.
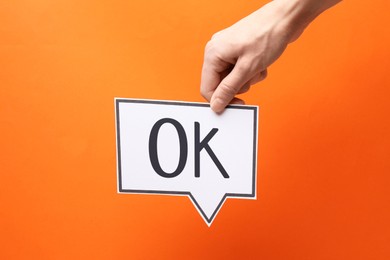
[(234, 145)]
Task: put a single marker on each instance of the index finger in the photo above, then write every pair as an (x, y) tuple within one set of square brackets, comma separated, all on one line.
[(213, 71)]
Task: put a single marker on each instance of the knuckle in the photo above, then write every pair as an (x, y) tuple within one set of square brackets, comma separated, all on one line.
[(243, 68), (211, 50), (215, 46), (263, 75), (209, 45), (246, 87), (215, 35), (226, 90)]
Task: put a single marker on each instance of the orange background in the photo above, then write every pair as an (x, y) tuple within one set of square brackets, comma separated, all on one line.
[(324, 137)]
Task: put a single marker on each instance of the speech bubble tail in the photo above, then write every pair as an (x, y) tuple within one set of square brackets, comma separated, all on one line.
[(208, 205)]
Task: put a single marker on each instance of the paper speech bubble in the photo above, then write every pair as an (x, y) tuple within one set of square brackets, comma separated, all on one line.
[(182, 148)]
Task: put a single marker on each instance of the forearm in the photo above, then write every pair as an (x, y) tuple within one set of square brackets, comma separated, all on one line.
[(300, 13)]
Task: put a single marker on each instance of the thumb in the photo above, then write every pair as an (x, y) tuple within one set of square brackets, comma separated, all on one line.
[(229, 87)]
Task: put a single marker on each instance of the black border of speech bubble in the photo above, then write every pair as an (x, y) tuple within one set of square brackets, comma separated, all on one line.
[(187, 193)]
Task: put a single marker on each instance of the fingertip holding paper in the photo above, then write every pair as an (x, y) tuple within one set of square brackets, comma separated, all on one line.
[(185, 149)]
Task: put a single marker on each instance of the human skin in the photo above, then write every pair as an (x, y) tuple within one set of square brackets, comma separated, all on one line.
[(238, 56)]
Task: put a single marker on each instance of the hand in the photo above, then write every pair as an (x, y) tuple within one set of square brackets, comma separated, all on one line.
[(238, 57)]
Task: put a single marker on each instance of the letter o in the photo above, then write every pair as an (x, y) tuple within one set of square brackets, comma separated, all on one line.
[(153, 148)]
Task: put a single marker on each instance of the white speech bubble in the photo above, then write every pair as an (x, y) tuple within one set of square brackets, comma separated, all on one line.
[(148, 129)]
